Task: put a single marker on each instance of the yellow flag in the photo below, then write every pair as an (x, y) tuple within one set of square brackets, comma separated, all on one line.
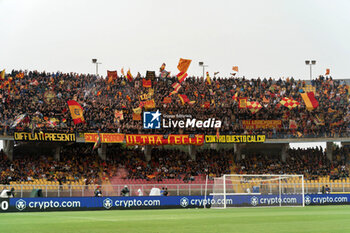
[(2, 75), (137, 110)]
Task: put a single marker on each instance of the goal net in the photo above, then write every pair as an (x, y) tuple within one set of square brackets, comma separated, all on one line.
[(257, 191)]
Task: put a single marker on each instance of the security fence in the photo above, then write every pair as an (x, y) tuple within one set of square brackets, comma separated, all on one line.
[(27, 190)]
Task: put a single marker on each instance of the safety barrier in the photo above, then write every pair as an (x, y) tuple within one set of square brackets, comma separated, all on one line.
[(65, 190), (152, 202)]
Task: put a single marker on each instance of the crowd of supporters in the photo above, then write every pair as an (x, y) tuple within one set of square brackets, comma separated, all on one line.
[(79, 162), (172, 164), (76, 163), (43, 97), (312, 163)]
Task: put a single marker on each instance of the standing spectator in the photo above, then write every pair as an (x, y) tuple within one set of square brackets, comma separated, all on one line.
[(125, 191), (98, 192)]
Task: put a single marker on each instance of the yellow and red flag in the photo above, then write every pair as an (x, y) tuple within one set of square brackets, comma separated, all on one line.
[(76, 111), (118, 115), (2, 75), (149, 104), (162, 67), (208, 81), (181, 76), (206, 105), (309, 100), (242, 102), (328, 71), (235, 68), (183, 65), (293, 124), (253, 106), (167, 100), (217, 134), (98, 142), (176, 87), (137, 110), (20, 75), (184, 99), (235, 96), (129, 76), (265, 100), (318, 120), (289, 103), (136, 117)]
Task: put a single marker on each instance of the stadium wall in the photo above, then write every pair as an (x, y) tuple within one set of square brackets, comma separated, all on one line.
[(157, 202)]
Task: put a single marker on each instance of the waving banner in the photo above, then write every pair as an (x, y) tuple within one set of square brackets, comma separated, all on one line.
[(261, 124), (159, 140), (105, 137), (234, 138), (42, 136)]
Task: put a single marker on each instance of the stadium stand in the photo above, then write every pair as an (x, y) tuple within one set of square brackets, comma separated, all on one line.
[(80, 165), (43, 97)]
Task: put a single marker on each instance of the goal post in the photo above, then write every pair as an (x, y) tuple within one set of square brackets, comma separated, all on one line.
[(241, 190)]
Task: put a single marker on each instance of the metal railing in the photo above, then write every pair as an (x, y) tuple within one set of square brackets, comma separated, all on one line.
[(26, 190)]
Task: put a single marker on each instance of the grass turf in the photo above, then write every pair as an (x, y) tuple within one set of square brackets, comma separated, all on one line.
[(258, 220)]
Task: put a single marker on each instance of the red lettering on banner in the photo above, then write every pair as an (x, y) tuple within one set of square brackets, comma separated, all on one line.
[(105, 137), (180, 139)]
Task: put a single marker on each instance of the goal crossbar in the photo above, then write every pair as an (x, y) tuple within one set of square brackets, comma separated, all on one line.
[(251, 190)]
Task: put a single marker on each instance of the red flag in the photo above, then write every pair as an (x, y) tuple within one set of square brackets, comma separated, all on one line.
[(149, 104), (129, 76), (184, 99), (235, 68), (76, 111), (206, 105), (146, 83), (183, 65), (167, 100), (136, 117), (112, 75), (328, 71)]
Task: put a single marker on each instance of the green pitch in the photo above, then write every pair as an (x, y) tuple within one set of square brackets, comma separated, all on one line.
[(326, 219)]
